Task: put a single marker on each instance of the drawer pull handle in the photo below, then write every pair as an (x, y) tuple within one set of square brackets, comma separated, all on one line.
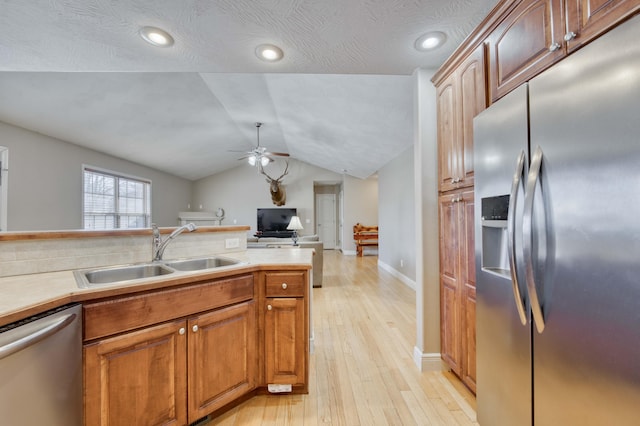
[(181, 331), (194, 328), (284, 286), (269, 307)]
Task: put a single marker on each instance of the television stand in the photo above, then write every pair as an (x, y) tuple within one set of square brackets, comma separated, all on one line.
[(274, 234)]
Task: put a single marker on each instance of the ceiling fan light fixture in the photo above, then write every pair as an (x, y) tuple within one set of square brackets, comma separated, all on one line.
[(156, 36), (269, 53), (264, 161), (430, 41), (252, 160)]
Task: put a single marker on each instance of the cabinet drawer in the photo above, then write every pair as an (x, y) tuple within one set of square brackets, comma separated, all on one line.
[(122, 314), (285, 284)]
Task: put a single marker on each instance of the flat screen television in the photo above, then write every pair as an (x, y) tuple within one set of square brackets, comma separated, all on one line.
[(274, 222)]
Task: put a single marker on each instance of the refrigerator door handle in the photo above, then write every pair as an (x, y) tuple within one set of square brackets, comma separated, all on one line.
[(527, 237), (511, 230)]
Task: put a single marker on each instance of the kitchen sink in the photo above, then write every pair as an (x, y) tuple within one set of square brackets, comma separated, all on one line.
[(120, 274), (202, 263), (132, 273)]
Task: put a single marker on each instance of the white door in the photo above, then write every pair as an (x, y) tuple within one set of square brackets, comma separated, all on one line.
[(326, 219), (4, 176)]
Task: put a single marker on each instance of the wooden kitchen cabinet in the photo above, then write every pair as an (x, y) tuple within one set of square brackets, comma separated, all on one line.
[(137, 378), (457, 283), (587, 19), (175, 372), (286, 334), (460, 98), (222, 357), (538, 33), (526, 42)]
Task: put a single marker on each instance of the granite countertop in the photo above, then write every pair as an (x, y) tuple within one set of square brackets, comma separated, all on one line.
[(25, 295)]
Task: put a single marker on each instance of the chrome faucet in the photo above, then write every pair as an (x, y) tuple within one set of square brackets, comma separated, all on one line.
[(159, 245)]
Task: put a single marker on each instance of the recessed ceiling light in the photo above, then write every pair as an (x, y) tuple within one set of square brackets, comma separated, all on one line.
[(156, 36), (269, 52), (430, 40)]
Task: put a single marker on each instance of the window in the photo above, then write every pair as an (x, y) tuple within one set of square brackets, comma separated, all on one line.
[(113, 201)]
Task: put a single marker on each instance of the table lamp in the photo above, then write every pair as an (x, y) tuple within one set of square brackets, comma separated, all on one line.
[(295, 226)]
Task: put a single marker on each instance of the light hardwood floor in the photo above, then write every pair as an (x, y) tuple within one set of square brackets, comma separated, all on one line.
[(362, 371)]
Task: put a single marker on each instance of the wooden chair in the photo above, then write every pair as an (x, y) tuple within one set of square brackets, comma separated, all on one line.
[(364, 236)]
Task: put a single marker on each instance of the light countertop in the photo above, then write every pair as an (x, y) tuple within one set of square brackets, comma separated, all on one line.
[(25, 295)]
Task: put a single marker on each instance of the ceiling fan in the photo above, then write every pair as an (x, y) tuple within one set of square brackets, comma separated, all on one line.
[(259, 155)]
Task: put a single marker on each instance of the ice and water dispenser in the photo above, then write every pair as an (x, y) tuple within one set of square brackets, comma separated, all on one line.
[(495, 243)]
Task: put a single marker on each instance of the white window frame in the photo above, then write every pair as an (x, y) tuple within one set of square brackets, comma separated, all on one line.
[(117, 213)]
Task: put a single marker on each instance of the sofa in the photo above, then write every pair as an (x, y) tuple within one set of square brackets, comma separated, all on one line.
[(309, 241)]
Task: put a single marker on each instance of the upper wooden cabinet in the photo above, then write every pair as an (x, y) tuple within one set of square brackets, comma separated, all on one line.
[(587, 19), (459, 99), (538, 33), (527, 41)]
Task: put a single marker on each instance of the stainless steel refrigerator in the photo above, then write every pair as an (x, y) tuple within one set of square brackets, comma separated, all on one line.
[(557, 172)]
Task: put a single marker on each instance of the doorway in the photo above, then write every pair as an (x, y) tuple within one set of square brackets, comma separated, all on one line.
[(326, 219)]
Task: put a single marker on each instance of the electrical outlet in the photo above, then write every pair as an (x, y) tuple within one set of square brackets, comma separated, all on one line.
[(401, 263), (232, 243)]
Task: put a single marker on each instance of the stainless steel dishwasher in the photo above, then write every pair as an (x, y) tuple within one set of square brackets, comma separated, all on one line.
[(41, 369)]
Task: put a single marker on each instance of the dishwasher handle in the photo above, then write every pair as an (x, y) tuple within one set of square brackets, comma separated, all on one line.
[(43, 333)]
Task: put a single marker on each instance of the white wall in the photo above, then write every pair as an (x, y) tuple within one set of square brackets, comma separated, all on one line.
[(241, 190), (427, 350), (45, 182), (360, 206), (396, 210)]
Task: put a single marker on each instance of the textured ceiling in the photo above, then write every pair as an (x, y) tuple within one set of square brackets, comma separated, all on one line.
[(340, 99)]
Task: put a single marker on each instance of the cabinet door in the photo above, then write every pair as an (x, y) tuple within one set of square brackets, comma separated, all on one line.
[(447, 134), (528, 40), (450, 312), (286, 343), (472, 102), (587, 19), (468, 279), (222, 357), (460, 98), (137, 378)]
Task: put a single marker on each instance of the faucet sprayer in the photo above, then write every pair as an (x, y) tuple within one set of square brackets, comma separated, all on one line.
[(159, 245)]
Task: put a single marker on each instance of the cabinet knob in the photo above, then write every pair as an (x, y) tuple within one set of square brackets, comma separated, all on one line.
[(181, 331), (284, 286), (569, 36), (194, 328), (554, 47), (269, 307)]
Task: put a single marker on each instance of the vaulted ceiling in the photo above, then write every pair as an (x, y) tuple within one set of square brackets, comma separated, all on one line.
[(341, 98)]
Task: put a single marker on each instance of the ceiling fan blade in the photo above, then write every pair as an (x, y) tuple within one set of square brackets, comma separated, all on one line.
[(280, 154)]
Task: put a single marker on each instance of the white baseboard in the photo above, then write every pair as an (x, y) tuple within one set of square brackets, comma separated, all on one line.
[(428, 361), (399, 275)]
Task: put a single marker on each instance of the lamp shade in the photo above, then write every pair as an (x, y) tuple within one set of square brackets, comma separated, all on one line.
[(295, 224)]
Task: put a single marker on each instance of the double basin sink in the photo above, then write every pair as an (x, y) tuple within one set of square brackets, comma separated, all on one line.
[(133, 273)]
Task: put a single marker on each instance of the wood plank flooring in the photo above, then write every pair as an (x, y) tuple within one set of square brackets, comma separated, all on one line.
[(362, 371)]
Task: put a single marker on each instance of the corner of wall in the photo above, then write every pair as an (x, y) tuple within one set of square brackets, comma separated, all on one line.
[(428, 361)]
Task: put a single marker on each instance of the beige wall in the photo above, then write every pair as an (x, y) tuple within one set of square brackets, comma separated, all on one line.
[(427, 350), (360, 198), (45, 182), (396, 210)]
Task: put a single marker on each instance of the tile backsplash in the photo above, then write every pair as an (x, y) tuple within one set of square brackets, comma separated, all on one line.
[(36, 256)]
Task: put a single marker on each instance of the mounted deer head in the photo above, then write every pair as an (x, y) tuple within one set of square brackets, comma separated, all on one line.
[(278, 193)]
